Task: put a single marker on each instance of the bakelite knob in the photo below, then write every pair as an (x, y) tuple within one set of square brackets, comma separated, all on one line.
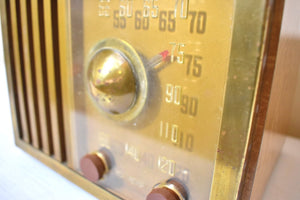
[(162, 194), (94, 165), (172, 189)]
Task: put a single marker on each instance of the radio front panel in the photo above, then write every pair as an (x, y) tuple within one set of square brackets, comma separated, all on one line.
[(140, 99)]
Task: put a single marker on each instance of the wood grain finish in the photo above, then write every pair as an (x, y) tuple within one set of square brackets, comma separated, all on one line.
[(286, 77), (263, 96), (291, 46), (269, 128), (282, 98), (294, 128)]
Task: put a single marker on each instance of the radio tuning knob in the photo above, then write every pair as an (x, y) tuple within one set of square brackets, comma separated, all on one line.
[(112, 81), (172, 189), (95, 165), (116, 79)]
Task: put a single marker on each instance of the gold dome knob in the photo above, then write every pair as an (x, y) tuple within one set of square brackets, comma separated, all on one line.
[(112, 81)]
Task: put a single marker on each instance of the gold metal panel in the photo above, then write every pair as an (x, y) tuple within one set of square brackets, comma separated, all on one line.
[(40, 82), (51, 81), (146, 135), (22, 107), (151, 42), (243, 80)]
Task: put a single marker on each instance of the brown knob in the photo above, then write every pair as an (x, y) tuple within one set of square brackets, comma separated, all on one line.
[(93, 166), (162, 194), (172, 189)]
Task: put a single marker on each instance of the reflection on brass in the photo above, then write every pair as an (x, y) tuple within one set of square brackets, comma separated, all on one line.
[(112, 81), (116, 79), (242, 84)]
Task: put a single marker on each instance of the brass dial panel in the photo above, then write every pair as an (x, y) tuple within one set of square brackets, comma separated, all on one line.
[(182, 87), (184, 47)]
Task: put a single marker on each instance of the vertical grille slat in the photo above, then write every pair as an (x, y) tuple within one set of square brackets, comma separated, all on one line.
[(41, 75), (56, 53), (62, 21), (22, 68), (34, 42), (13, 70), (33, 71), (16, 46), (28, 67), (53, 83)]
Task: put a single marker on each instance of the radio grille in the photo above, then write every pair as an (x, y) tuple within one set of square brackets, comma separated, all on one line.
[(35, 65)]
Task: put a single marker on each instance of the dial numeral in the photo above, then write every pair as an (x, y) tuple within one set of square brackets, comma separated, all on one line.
[(119, 22), (177, 53), (189, 105), (166, 165), (193, 65), (184, 8), (171, 132), (126, 8), (173, 94), (141, 22), (167, 21), (103, 8), (150, 7), (199, 24)]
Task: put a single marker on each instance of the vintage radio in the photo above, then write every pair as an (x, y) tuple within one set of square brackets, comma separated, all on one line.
[(150, 99)]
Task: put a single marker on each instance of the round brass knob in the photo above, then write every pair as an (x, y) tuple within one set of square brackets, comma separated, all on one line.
[(116, 79), (112, 82), (172, 189), (94, 166)]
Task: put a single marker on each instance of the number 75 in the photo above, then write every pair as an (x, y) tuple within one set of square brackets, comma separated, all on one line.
[(177, 47)]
